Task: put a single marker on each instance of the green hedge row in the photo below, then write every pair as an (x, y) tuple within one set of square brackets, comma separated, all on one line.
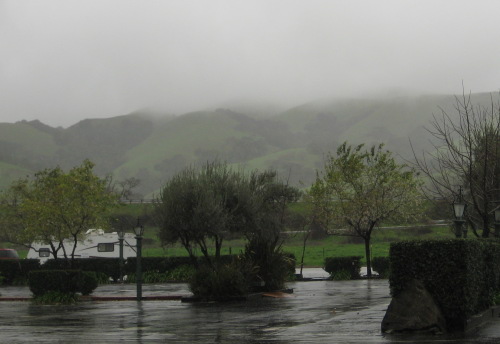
[(462, 275), (42, 282), (382, 266), (108, 266), (343, 267), (16, 271)]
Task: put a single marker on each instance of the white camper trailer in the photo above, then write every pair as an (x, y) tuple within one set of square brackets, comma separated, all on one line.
[(96, 244)]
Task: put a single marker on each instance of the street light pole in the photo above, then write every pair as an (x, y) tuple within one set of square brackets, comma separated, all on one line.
[(139, 232), (121, 236)]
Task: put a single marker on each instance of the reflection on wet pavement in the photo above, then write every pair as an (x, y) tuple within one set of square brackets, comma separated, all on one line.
[(317, 312)]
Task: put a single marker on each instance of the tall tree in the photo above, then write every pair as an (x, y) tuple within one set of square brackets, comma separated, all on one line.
[(466, 156), (200, 207), (54, 207), (270, 198), (360, 189)]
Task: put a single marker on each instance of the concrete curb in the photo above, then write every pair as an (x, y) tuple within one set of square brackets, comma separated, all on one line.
[(109, 298)]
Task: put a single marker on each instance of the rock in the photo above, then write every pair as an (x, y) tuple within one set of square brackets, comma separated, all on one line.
[(414, 310)]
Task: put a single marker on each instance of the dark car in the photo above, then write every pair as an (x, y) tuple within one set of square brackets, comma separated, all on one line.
[(8, 253)]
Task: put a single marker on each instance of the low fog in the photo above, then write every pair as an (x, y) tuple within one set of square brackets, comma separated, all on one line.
[(63, 61)]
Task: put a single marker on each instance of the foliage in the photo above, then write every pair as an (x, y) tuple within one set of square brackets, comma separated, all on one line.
[(269, 215), (64, 281), (201, 207), (337, 266), (461, 275), (106, 267), (16, 271), (182, 273), (221, 283), (157, 264), (53, 297), (55, 206), (466, 152), (359, 189), (341, 275), (41, 282), (197, 207), (382, 266), (88, 282)]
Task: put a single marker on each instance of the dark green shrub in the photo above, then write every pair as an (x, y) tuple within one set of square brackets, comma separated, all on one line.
[(181, 273), (9, 270), (268, 265), (341, 275), (222, 283), (107, 266), (352, 264), (382, 266), (88, 282), (15, 271), (461, 275), (55, 298), (65, 281), (156, 264), (62, 281)]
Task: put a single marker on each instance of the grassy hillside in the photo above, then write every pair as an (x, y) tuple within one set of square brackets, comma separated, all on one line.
[(153, 149)]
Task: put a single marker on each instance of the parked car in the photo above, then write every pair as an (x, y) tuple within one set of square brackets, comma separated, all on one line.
[(8, 253)]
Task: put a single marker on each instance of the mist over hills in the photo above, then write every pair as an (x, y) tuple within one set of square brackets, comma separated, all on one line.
[(152, 148)]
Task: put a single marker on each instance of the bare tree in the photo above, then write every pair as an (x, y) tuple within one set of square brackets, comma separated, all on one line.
[(465, 155)]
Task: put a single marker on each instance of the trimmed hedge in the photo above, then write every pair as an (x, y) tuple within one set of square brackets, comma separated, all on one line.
[(462, 275), (382, 266), (42, 282), (108, 266), (16, 270), (345, 267), (156, 264)]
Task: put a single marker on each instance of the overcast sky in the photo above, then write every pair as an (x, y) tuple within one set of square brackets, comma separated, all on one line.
[(62, 61)]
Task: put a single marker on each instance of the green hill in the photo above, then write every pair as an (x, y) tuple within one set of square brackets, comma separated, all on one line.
[(153, 148)]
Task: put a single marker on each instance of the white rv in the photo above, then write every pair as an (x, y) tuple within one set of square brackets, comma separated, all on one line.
[(95, 244)]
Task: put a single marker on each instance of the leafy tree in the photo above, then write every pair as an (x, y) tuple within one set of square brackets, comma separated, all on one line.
[(55, 206), (269, 215), (466, 156), (359, 189), (200, 207)]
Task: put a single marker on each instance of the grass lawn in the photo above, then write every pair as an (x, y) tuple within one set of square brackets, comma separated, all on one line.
[(316, 249)]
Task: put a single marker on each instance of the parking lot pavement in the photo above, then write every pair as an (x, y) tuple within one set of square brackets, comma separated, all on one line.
[(317, 312)]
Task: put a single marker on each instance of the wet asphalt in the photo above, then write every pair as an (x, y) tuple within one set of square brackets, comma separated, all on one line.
[(317, 312)]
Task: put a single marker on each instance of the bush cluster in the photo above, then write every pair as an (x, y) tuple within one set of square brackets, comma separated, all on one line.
[(16, 271), (110, 267), (220, 283), (463, 276), (343, 267), (382, 266), (42, 282), (156, 264)]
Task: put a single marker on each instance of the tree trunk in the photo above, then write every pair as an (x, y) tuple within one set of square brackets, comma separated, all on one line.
[(368, 257)]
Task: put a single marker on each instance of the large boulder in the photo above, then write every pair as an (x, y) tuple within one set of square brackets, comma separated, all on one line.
[(413, 310)]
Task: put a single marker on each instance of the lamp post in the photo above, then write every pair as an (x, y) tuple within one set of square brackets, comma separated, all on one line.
[(139, 232), (121, 236), (497, 222), (458, 209)]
